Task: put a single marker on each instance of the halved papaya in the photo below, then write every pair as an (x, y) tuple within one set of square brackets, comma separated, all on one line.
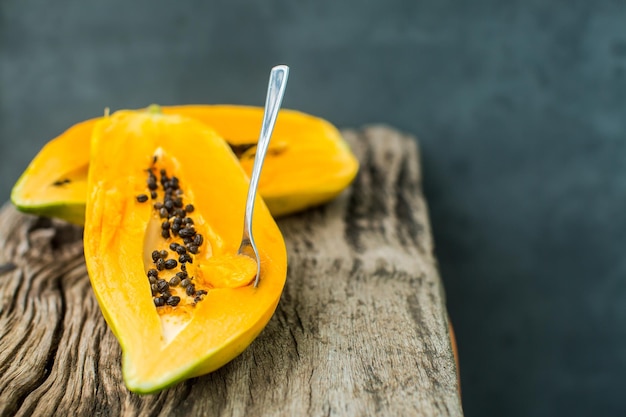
[(308, 162), (164, 218)]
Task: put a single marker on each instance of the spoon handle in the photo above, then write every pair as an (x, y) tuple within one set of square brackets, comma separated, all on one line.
[(275, 92)]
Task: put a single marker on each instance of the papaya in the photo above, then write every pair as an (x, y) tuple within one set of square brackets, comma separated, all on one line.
[(55, 182), (308, 163), (163, 222)]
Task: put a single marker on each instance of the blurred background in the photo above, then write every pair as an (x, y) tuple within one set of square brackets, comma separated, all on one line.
[(520, 111)]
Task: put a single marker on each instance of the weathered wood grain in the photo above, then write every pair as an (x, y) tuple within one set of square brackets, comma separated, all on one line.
[(361, 328)]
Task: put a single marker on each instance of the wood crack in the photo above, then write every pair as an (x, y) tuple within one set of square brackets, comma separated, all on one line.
[(7, 267)]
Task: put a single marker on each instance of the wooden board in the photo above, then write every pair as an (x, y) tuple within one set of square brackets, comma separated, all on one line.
[(361, 328)]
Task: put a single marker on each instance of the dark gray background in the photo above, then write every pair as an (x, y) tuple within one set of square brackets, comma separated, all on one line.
[(519, 107)]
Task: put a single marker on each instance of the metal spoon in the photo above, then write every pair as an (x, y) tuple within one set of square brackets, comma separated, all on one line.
[(275, 92)]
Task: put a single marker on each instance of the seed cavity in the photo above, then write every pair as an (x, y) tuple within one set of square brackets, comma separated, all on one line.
[(177, 225)]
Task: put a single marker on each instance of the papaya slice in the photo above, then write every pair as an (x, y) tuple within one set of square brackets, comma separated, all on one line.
[(308, 162), (164, 218), (55, 182)]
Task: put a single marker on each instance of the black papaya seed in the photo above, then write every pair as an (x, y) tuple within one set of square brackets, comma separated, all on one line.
[(162, 285), (187, 232), (173, 300), (191, 290), (160, 264)]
